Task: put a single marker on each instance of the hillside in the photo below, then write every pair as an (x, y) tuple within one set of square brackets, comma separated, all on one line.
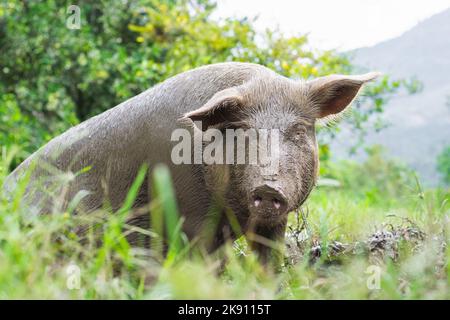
[(420, 123)]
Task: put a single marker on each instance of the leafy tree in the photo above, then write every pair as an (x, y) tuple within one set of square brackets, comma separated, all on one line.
[(52, 77)]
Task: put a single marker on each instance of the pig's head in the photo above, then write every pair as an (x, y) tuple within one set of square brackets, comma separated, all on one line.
[(288, 109)]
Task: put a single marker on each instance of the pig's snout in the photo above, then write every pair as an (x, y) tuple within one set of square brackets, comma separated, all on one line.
[(268, 201)]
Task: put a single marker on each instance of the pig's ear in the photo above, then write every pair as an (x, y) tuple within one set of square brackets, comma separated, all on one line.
[(332, 94), (224, 106)]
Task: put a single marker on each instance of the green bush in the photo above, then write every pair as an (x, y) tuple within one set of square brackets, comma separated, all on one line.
[(443, 165), (378, 180)]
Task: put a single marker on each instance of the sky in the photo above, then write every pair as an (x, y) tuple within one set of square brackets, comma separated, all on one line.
[(335, 24)]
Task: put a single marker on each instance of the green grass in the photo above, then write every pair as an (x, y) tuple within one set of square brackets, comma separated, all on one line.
[(42, 256)]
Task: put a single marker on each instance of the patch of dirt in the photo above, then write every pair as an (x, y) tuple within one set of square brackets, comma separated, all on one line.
[(384, 243)]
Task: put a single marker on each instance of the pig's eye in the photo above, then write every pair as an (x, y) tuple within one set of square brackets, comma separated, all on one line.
[(301, 130), (298, 132)]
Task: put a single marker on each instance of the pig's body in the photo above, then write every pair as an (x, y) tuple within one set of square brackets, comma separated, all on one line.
[(117, 142)]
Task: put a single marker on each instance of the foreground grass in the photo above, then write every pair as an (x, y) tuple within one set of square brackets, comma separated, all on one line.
[(42, 257)]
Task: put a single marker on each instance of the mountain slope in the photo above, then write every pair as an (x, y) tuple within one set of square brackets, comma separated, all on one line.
[(419, 123)]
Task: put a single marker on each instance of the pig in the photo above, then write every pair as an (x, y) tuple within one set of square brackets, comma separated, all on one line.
[(116, 143)]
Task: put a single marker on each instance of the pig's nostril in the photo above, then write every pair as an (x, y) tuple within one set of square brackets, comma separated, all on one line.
[(257, 201), (276, 203)]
